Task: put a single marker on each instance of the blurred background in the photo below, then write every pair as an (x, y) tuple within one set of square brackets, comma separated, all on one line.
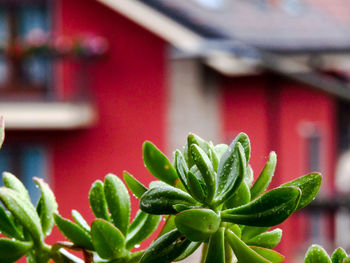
[(83, 83)]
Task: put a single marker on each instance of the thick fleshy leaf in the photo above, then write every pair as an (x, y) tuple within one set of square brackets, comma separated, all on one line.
[(12, 182), (195, 187), (12, 250), (338, 255), (265, 176), (197, 224), (118, 200), (23, 211), (160, 201), (73, 232), (206, 169), (7, 226), (143, 230), (347, 260), (242, 251), (2, 130), (98, 201), (181, 167), (316, 254), (268, 239), (309, 185), (241, 197), (166, 248), (80, 221), (137, 188), (158, 164), (137, 222), (249, 232), (270, 209), (231, 171), (216, 247), (189, 251), (271, 255), (193, 139), (48, 205), (108, 240), (213, 156)]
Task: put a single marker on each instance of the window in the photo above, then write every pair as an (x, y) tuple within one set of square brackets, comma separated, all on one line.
[(25, 162), (20, 23)]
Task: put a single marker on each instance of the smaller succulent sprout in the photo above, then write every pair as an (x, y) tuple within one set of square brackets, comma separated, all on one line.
[(339, 255), (316, 254)]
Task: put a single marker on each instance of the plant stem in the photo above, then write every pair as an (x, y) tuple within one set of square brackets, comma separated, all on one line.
[(204, 252)]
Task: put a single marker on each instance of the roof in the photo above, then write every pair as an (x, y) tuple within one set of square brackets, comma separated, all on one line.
[(238, 37), (269, 25)]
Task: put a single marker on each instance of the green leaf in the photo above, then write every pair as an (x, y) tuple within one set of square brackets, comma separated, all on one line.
[(338, 255), (316, 254), (197, 224), (309, 185), (189, 251), (7, 226), (241, 197), (231, 171), (270, 209), (193, 139), (73, 232), (347, 260), (216, 247), (107, 239), (98, 201), (137, 222), (267, 240), (265, 176), (206, 169), (181, 167), (158, 164), (195, 188), (12, 250), (137, 188), (249, 232), (48, 205), (142, 231), (12, 182), (271, 255), (213, 157), (2, 130), (160, 200), (242, 251), (23, 211), (80, 221), (118, 201), (166, 248)]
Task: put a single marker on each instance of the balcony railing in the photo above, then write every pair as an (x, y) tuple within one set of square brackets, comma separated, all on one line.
[(28, 103)]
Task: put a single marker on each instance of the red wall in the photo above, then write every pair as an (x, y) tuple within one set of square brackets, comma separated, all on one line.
[(128, 87), (273, 111), (244, 109), (299, 107)]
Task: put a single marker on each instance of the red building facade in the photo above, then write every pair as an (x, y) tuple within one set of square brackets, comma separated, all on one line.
[(128, 92)]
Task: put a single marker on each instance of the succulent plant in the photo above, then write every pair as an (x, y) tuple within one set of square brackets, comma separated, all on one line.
[(209, 198)]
